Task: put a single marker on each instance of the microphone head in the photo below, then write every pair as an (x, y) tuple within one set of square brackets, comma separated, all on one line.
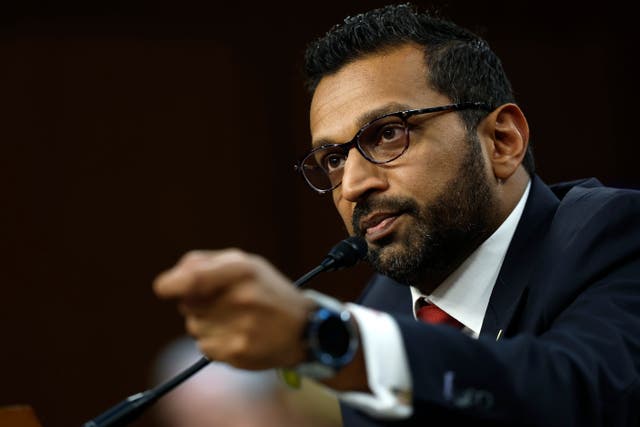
[(346, 253)]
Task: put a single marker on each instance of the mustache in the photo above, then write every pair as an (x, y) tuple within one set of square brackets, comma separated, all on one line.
[(387, 204)]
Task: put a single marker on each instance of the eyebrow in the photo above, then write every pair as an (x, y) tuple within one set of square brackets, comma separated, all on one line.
[(365, 118)]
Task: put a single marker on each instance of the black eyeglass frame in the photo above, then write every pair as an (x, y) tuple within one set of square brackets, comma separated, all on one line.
[(403, 115)]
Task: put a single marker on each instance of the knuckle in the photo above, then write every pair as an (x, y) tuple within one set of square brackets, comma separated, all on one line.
[(235, 251), (237, 351), (235, 255), (241, 261), (246, 296), (193, 256)]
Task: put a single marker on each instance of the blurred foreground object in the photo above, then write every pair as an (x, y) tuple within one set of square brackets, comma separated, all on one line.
[(18, 416), (222, 396)]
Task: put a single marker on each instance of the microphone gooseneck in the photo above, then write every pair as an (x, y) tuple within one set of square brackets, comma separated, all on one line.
[(345, 254)]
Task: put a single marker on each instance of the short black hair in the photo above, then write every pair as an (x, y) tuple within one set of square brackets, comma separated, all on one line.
[(461, 64)]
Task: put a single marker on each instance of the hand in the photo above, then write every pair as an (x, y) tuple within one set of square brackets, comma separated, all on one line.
[(239, 308)]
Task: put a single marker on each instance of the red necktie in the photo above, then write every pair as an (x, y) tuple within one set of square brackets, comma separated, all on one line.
[(430, 313)]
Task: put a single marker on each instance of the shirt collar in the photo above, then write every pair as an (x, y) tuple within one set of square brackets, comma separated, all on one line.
[(465, 294)]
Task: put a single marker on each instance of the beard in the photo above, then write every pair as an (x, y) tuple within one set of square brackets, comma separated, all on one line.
[(443, 234)]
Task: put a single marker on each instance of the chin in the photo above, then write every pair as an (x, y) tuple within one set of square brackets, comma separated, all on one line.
[(388, 254)]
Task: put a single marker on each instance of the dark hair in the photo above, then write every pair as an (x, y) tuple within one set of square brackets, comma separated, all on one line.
[(462, 65)]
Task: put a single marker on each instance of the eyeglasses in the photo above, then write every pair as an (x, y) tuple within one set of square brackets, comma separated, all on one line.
[(380, 141)]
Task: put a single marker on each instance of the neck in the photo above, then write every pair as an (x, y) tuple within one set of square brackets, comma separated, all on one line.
[(509, 192)]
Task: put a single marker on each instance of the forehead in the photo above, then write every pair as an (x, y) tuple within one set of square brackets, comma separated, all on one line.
[(368, 87)]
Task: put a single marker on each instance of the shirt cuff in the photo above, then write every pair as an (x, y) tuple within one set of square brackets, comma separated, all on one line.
[(387, 367)]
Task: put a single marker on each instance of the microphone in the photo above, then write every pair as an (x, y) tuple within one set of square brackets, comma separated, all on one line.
[(344, 254)]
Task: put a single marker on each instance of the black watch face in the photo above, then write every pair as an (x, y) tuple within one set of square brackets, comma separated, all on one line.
[(333, 336)]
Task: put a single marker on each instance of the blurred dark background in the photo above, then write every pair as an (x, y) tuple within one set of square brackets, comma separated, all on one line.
[(132, 132)]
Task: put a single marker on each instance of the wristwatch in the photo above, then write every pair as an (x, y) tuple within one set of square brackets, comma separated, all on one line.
[(331, 337)]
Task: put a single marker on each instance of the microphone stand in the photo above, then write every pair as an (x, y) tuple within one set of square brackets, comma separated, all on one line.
[(346, 253), (133, 406)]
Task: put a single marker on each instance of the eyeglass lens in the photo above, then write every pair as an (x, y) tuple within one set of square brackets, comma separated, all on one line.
[(381, 141)]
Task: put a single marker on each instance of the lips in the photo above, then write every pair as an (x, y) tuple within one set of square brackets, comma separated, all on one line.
[(379, 224)]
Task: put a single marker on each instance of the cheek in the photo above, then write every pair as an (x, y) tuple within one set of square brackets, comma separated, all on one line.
[(433, 166), (424, 175)]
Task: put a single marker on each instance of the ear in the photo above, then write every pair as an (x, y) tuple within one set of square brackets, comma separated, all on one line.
[(507, 133)]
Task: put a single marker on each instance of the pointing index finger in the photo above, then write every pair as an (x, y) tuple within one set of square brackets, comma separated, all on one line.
[(201, 274)]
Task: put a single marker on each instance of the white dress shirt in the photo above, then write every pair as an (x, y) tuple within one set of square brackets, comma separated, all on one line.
[(464, 295)]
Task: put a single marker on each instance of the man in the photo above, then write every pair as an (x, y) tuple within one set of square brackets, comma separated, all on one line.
[(543, 285)]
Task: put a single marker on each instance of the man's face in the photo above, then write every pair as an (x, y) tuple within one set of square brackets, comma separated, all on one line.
[(425, 212)]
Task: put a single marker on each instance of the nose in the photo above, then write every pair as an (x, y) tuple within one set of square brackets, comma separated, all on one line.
[(360, 177)]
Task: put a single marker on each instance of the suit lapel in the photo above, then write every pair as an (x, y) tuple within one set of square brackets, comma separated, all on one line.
[(510, 291), (387, 295)]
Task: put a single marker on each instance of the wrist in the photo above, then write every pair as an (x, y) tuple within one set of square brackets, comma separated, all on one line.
[(329, 336)]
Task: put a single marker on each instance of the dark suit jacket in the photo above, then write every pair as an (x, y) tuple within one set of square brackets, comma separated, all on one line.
[(568, 302)]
